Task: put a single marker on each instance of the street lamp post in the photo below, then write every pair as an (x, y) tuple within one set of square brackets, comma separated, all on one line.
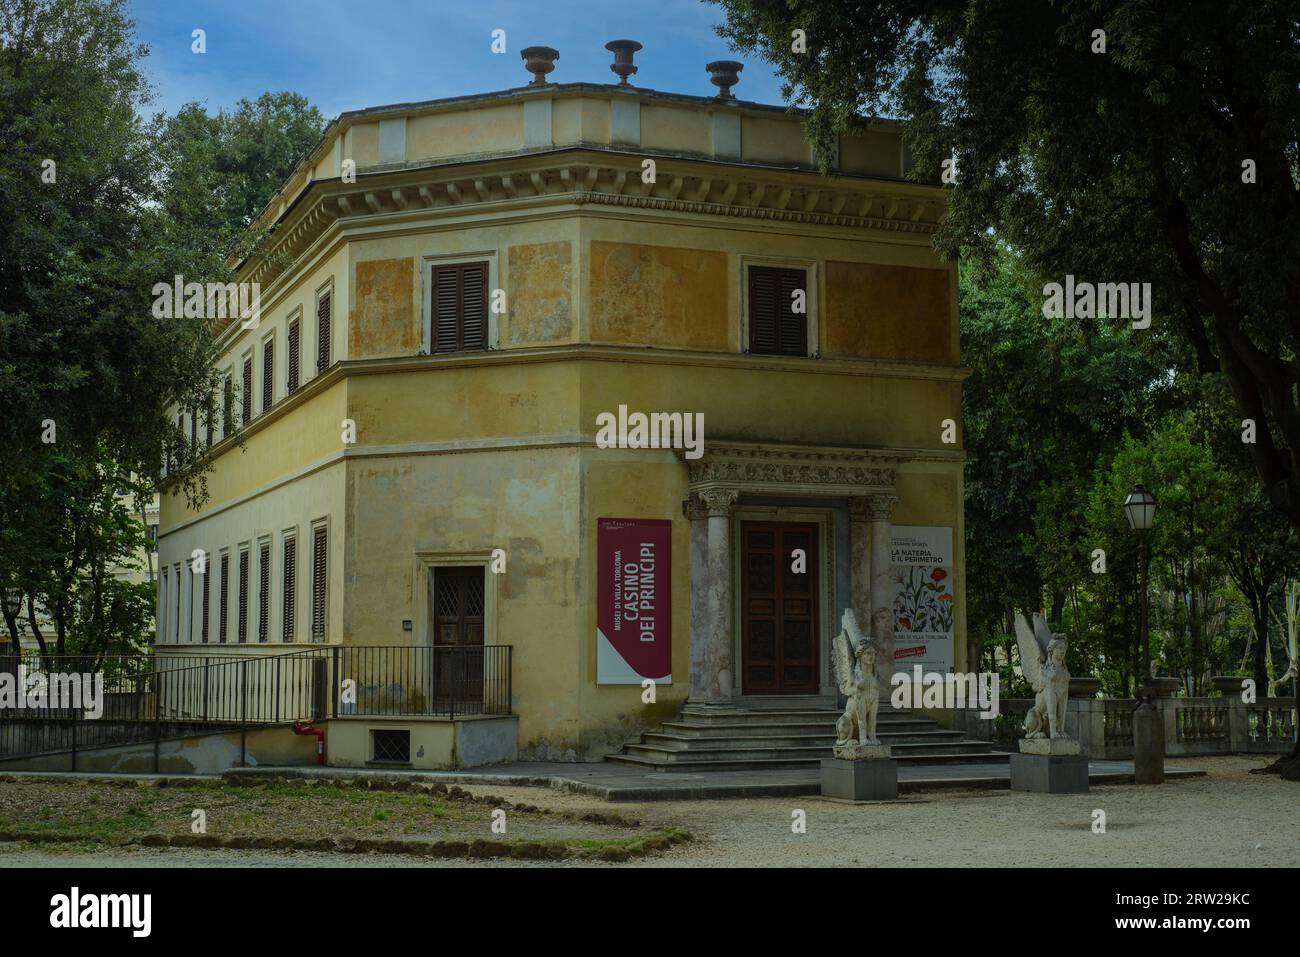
[(1148, 726)]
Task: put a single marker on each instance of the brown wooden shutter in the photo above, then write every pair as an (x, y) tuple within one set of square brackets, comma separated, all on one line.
[(323, 332), (264, 593), (194, 430), (179, 578), (268, 374), (203, 630), (248, 391), (294, 356), (227, 406), (241, 626), (223, 601), (774, 327), (318, 580), (459, 307), (288, 621)]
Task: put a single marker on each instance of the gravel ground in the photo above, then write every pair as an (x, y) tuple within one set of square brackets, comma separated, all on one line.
[(1229, 818)]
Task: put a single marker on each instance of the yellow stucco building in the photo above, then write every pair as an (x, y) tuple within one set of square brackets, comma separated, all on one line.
[(471, 283)]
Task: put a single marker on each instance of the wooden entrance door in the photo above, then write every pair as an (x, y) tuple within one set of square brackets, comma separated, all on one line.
[(458, 633), (779, 648)]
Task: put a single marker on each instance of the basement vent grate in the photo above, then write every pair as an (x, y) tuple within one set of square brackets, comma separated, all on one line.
[(392, 747)]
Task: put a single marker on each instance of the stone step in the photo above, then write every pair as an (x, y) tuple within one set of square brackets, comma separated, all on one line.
[(674, 741), (788, 763), (772, 717), (805, 751), (735, 729)]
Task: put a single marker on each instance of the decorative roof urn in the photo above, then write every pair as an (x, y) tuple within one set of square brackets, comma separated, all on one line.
[(539, 61), (622, 65), (724, 74)]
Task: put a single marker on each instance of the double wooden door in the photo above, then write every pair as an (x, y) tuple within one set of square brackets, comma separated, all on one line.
[(778, 602)]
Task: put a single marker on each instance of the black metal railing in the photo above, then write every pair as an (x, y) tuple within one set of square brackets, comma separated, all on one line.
[(189, 694)]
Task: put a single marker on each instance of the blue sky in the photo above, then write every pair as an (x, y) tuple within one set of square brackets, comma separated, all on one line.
[(349, 54)]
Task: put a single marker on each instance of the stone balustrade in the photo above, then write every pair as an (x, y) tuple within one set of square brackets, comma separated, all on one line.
[(1193, 726)]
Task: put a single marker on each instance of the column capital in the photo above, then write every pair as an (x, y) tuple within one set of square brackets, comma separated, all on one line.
[(718, 501), (860, 508), (880, 508), (694, 509)]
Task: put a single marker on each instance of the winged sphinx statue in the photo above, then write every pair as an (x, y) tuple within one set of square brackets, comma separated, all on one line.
[(854, 658), (1042, 656)]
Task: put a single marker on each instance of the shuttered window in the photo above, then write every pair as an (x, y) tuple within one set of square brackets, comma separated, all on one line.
[(264, 592), (775, 329), (241, 625), (268, 373), (318, 569), (161, 630), (459, 307), (289, 623), (323, 331), (294, 356), (227, 406), (247, 396), (223, 601), (209, 418), (194, 430), (203, 628), (177, 636)]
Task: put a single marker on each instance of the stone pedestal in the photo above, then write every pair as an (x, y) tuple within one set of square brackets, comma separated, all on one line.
[(1049, 766), (860, 772), (1148, 745)]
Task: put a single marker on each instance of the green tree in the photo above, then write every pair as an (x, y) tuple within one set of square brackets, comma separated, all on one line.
[(99, 206), (1171, 157)]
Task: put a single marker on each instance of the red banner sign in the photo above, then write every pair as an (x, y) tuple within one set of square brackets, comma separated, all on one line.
[(634, 607)]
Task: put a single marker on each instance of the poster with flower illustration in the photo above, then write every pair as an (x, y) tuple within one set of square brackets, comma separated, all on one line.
[(921, 565)]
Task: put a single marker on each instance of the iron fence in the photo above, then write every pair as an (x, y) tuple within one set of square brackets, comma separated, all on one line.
[(199, 693)]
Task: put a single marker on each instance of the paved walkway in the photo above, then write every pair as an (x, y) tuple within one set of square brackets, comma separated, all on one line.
[(616, 782)]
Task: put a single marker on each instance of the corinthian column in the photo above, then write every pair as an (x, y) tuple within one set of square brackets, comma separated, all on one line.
[(695, 511), (860, 561), (719, 666), (879, 510)]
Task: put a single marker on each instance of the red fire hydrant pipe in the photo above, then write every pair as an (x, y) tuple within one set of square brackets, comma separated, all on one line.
[(308, 727)]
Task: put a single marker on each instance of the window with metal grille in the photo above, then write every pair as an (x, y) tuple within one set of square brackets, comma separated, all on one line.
[(268, 373), (241, 625), (324, 330), (391, 747), (247, 397), (203, 628), (775, 329), (223, 601), (318, 581), (294, 357), (459, 307), (264, 592), (288, 623), (227, 406)]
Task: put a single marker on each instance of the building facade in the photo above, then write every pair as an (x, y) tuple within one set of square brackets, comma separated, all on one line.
[(408, 451)]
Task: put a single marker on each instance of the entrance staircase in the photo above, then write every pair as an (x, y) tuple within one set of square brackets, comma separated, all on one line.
[(786, 732)]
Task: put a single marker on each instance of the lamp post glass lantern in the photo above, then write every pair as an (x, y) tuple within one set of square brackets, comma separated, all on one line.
[(1148, 731), (1140, 509)]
